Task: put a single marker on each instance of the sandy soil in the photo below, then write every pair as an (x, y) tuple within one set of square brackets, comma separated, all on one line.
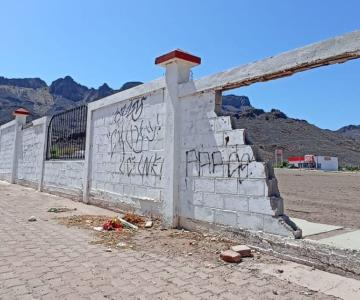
[(171, 242), (322, 197)]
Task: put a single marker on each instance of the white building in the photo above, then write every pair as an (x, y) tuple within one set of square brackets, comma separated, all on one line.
[(327, 163)]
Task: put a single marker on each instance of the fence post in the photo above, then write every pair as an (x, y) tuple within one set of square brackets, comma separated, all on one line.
[(88, 146), (177, 66), (20, 119), (43, 153)]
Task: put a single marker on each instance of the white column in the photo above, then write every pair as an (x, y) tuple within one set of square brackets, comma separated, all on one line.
[(177, 64), (88, 153), (20, 119), (43, 154)]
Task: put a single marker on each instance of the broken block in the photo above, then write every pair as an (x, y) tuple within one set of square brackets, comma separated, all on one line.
[(243, 250), (148, 224), (230, 256)]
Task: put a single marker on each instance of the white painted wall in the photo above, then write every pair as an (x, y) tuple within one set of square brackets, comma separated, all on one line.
[(327, 163), (7, 135), (221, 182), (30, 152), (127, 152), (65, 176)]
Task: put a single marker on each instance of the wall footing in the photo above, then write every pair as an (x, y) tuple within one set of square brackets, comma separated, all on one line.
[(345, 262)]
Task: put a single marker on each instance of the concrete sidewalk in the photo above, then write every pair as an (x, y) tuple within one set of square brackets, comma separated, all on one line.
[(46, 260)]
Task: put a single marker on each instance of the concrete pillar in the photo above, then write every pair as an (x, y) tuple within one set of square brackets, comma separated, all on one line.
[(20, 118), (177, 64), (43, 154)]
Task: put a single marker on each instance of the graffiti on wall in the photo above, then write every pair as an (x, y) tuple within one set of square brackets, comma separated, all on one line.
[(130, 136), (236, 165)]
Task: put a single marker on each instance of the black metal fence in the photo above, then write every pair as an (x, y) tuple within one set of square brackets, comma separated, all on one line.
[(67, 134)]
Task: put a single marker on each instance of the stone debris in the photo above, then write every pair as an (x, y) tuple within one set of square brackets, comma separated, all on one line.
[(108, 250), (148, 224), (98, 228), (121, 245), (243, 250), (32, 219), (127, 224), (60, 209), (230, 256)]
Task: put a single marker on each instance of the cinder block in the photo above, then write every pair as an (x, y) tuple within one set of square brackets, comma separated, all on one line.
[(252, 187), (149, 180), (118, 188), (250, 221), (226, 217), (237, 153), (256, 170), (197, 198), (236, 203), (234, 137), (226, 185), (213, 200), (275, 225), (204, 185), (136, 179), (204, 214), (213, 171), (222, 123), (128, 190), (219, 139), (261, 205)]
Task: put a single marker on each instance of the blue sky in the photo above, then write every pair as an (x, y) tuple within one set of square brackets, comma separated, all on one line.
[(117, 41)]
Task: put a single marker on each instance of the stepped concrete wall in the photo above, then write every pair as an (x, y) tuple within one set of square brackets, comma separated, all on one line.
[(222, 182)]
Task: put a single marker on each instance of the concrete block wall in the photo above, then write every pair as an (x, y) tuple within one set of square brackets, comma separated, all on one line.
[(64, 176), (127, 152), (160, 148), (7, 136), (30, 152), (221, 181)]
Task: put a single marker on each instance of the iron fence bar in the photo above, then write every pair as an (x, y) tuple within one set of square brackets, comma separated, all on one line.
[(67, 134)]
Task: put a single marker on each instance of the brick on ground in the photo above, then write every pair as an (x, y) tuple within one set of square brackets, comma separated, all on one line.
[(243, 250), (230, 256)]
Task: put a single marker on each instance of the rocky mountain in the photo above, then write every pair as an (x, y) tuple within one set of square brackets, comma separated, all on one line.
[(40, 99), (351, 131), (272, 130), (267, 131)]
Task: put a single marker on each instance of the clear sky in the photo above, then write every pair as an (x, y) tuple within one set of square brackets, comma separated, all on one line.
[(117, 41)]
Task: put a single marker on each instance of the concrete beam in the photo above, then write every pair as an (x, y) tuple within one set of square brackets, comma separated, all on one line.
[(336, 50)]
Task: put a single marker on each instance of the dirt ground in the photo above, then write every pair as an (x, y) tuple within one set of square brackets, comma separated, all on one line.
[(322, 197), (172, 242)]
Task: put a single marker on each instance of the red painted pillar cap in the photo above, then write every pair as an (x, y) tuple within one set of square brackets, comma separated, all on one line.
[(21, 112), (177, 54)]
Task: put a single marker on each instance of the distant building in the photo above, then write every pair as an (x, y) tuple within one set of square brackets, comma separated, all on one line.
[(326, 163)]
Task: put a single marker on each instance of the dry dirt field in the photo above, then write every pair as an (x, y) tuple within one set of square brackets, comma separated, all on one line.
[(322, 197)]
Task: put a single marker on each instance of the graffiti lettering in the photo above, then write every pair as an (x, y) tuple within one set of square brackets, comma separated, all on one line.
[(130, 136), (236, 166)]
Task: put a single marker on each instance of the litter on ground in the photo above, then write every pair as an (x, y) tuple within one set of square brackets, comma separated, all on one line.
[(60, 209)]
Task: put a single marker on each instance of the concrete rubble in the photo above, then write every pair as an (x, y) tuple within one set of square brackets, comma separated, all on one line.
[(243, 250), (230, 256)]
